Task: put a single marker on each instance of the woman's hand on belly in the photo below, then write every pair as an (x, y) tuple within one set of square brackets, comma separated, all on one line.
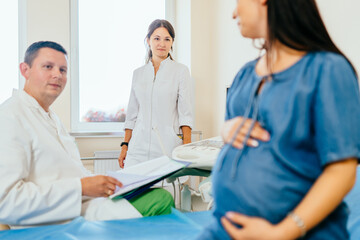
[(252, 227), (257, 133)]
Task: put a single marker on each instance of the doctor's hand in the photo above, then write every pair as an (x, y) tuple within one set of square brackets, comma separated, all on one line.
[(257, 133), (122, 156), (252, 227), (99, 186)]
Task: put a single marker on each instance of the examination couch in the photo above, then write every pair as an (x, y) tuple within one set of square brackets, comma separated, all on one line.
[(174, 226)]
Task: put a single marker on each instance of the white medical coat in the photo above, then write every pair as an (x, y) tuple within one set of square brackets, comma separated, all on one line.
[(158, 106), (40, 169)]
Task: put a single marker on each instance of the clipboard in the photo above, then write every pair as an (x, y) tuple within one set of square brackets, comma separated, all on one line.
[(138, 178)]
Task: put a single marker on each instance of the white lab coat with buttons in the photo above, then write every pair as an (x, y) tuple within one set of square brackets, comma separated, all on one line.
[(40, 170), (158, 106)]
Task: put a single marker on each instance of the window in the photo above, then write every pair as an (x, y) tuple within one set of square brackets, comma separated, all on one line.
[(107, 39), (9, 47)]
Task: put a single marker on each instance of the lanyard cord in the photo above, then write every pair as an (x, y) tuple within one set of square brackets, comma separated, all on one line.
[(247, 136), (245, 117)]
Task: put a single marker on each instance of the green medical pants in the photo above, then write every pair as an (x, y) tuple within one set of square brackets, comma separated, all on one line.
[(153, 202)]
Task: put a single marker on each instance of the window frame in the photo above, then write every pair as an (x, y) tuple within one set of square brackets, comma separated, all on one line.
[(110, 129), (22, 37), (21, 41)]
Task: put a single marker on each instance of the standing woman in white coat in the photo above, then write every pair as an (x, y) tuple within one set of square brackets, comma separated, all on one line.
[(160, 108)]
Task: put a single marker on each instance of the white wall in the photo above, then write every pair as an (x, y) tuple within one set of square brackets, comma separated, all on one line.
[(208, 41), (214, 54), (342, 19), (49, 20), (230, 52), (219, 51)]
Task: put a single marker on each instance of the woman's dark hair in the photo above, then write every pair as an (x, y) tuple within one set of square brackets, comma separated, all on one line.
[(298, 25), (152, 27)]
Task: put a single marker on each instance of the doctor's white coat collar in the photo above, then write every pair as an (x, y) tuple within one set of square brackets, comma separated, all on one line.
[(27, 99), (32, 103), (165, 61)]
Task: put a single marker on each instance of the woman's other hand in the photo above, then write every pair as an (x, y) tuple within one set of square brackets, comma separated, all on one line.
[(122, 155), (257, 133), (252, 227), (99, 186)]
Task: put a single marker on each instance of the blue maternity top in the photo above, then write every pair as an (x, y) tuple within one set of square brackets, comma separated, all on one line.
[(312, 112)]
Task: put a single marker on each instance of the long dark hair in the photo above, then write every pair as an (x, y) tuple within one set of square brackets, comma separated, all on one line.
[(152, 27), (297, 24)]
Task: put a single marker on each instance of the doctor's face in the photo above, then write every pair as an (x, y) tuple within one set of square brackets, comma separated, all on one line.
[(251, 18), (47, 76), (160, 43)]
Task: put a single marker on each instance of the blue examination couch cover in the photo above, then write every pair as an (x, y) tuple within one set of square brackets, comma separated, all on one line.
[(173, 226)]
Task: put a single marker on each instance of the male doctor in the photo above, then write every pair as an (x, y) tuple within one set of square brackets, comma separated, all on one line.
[(42, 179)]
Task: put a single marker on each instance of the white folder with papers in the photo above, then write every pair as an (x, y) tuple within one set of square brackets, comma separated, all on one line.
[(144, 173)]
